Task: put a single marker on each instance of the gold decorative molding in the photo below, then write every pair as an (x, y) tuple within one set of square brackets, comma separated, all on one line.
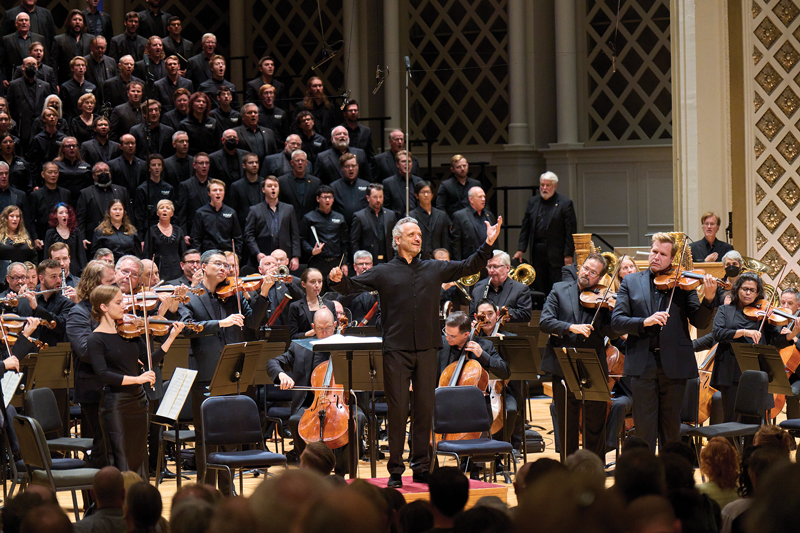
[(771, 171), (790, 193), (759, 148), (767, 32), (788, 56), (769, 124), (790, 239), (790, 280), (768, 78), (788, 101), (786, 11), (771, 216), (789, 147), (760, 240), (773, 260)]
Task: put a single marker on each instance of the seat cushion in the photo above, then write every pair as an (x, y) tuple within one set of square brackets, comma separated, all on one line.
[(246, 459), (686, 428), (381, 409), (68, 444), (728, 429), (77, 477), (279, 412), (474, 446), (186, 435), (58, 464), (791, 425)]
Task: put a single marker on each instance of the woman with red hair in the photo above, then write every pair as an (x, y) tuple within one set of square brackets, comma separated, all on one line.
[(204, 131), (719, 462), (64, 228)]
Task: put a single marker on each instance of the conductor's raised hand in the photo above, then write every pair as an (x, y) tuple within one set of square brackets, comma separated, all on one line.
[(492, 232), (335, 275), (233, 320)]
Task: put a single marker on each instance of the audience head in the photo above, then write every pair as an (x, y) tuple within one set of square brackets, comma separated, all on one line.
[(483, 519), (588, 465), (415, 517), (48, 518), (142, 506), (774, 509), (772, 436), (233, 514), (650, 514), (191, 515), (317, 456), (16, 509), (638, 473), (108, 488), (278, 501), (719, 462), (449, 489)]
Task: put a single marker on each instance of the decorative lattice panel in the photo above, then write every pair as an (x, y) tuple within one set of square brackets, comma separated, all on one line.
[(633, 103), (459, 56), (774, 34), (290, 32)]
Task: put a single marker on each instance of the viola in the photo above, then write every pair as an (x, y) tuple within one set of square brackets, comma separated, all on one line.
[(591, 298), (131, 327), (688, 280), (197, 291), (15, 323), (615, 360), (142, 299), (778, 316), (326, 420)]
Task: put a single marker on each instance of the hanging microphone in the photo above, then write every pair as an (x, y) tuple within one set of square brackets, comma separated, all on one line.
[(328, 53), (408, 65), (380, 79), (345, 99)]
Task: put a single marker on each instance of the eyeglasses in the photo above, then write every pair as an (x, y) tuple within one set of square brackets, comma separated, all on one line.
[(348, 167), (18, 278), (590, 272), (192, 262), (448, 336), (495, 267), (363, 264), (747, 289), (131, 273), (219, 264)]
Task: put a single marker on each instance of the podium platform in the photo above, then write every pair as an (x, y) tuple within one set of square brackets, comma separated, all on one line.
[(419, 491)]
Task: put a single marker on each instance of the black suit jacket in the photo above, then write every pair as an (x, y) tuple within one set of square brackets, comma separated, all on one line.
[(563, 309), (90, 151), (64, 48), (328, 169), (11, 55), (80, 325), (436, 233), (450, 198), (46, 27), (23, 109), (219, 169), (560, 228), (92, 207), (394, 193), (44, 73), (288, 193), (146, 26), (270, 142), (364, 233), (109, 67), (301, 317), (257, 236), (165, 91), (634, 304), (123, 119), (198, 69), (182, 49), (252, 87), (164, 134), (273, 165), (512, 294), (119, 46), (115, 90), (295, 362), (386, 167), (105, 20), (466, 238)]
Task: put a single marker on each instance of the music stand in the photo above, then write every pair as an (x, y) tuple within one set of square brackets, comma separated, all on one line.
[(765, 359), (176, 357), (363, 331), (585, 377), (237, 365), (27, 366), (53, 372), (364, 372), (277, 334)]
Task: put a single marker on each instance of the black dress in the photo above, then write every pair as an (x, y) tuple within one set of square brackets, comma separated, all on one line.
[(168, 250), (123, 408), (77, 252), (119, 243), (301, 317), (11, 252), (80, 130)]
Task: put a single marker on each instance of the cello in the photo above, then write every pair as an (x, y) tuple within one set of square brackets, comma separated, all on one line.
[(465, 372)]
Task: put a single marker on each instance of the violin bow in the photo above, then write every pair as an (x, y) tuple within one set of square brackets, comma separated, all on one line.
[(678, 272), (769, 303), (236, 278), (146, 323), (605, 293), (3, 332)]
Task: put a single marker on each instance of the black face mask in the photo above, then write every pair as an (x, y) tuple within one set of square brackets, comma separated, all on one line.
[(104, 180), (731, 271), (30, 72), (231, 144)]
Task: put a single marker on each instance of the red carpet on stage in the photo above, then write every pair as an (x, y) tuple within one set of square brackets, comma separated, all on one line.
[(419, 491)]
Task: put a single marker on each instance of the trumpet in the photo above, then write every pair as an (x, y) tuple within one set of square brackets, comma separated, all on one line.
[(523, 273), (467, 281)]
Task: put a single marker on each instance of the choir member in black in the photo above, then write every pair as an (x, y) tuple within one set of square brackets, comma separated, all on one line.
[(266, 71), (411, 335), (74, 42), (23, 108), (299, 187), (60, 252), (180, 110), (193, 191), (7, 127), (203, 130), (272, 224), (569, 325), (100, 148), (324, 246), (328, 165), (126, 116), (10, 195), (115, 360), (129, 42), (227, 162), (280, 164), (151, 68), (64, 229), (51, 306), (434, 222), (81, 126), (99, 67), (94, 200), (326, 114), (349, 191), (175, 44), (75, 87), (394, 187), (730, 326), (222, 324), (44, 199), (54, 103), (455, 341), (74, 173), (152, 191), (19, 169), (453, 192), (166, 241), (271, 116), (191, 273), (97, 22), (45, 145), (88, 387), (301, 312), (166, 87), (253, 137), (384, 163), (360, 135), (215, 224), (223, 113), (153, 20), (371, 227), (659, 355), (14, 47), (15, 244), (127, 170), (503, 291), (246, 191), (360, 304), (217, 80), (198, 69), (115, 89), (44, 72), (117, 233), (154, 137), (709, 248), (311, 142), (450, 291), (468, 229)]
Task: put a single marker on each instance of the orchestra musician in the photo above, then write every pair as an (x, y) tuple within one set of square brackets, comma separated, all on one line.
[(790, 299), (659, 357), (454, 340), (732, 326), (301, 312), (294, 368), (449, 292), (116, 362), (269, 265), (222, 324), (571, 325), (503, 291), (360, 304), (411, 337), (709, 248)]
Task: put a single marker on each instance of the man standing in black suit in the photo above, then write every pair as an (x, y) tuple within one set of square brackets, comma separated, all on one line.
[(94, 199), (272, 224), (26, 99), (360, 135), (327, 166), (394, 187), (371, 228), (176, 45), (503, 291), (569, 325), (659, 358), (547, 227), (100, 148), (99, 67), (384, 164), (349, 192), (469, 227), (41, 20), (709, 248), (266, 69), (128, 170), (15, 46), (198, 69), (453, 192), (165, 87), (129, 42), (271, 116), (227, 163), (434, 222), (255, 138), (159, 135), (115, 90), (281, 163), (75, 87), (126, 116), (299, 188), (73, 42), (153, 21), (97, 22)]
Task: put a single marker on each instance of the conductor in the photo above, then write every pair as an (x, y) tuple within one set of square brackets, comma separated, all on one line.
[(411, 337)]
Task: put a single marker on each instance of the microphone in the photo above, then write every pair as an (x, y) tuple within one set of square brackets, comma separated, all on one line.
[(345, 99), (328, 53), (380, 79), (408, 65), (146, 60)]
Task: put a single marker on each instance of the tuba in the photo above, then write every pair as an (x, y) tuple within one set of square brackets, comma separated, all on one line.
[(524, 273)]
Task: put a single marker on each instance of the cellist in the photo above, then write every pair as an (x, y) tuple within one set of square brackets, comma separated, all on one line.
[(569, 325), (790, 299), (455, 337), (293, 369)]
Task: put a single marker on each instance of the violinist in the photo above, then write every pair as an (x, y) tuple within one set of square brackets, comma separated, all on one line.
[(502, 290), (19, 350), (730, 326), (790, 299), (116, 361), (222, 324), (571, 325), (293, 369), (301, 312), (51, 306), (192, 274), (659, 356)]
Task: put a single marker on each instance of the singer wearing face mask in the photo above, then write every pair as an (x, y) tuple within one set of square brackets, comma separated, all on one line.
[(94, 200), (734, 265)]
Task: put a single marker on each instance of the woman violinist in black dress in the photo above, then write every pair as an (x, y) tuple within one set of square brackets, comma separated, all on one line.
[(730, 326), (123, 405)]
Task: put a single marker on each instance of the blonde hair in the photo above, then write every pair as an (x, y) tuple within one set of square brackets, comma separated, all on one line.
[(21, 235), (663, 238), (91, 277), (165, 202)]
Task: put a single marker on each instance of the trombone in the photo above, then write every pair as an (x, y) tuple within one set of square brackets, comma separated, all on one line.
[(467, 281)]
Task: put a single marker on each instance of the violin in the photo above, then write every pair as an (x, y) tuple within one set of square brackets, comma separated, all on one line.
[(615, 360), (11, 340), (131, 327), (147, 300), (197, 291), (326, 420), (15, 323), (233, 284), (465, 371), (778, 316), (591, 298), (688, 280)]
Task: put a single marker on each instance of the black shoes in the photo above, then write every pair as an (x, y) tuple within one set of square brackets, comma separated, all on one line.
[(421, 477), (395, 481)]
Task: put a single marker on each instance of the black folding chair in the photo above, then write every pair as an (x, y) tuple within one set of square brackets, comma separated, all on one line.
[(41, 405)]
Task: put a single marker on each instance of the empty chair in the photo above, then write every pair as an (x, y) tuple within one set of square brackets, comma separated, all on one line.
[(41, 405)]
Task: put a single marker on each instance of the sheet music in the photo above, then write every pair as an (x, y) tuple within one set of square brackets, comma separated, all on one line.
[(175, 396), (345, 339), (10, 384)]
